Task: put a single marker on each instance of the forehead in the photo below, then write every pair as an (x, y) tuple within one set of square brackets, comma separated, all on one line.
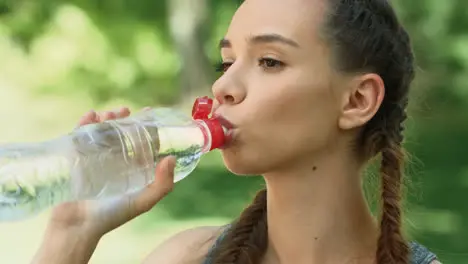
[(296, 19)]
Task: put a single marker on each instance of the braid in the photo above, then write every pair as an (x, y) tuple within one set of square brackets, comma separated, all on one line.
[(247, 239), (365, 36), (392, 247)]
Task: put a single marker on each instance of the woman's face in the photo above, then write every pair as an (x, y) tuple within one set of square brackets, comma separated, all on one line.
[(278, 86)]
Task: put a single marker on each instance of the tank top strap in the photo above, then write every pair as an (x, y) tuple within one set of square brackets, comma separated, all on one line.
[(420, 254), (220, 238)]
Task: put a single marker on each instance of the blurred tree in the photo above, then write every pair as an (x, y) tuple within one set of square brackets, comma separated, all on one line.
[(438, 128), (189, 28)]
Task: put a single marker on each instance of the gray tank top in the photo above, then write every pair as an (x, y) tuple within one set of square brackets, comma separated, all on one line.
[(419, 253)]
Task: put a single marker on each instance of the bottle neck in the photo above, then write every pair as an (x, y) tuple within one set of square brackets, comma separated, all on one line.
[(213, 138), (207, 138)]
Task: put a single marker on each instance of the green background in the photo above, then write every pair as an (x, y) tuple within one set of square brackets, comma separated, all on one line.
[(59, 59)]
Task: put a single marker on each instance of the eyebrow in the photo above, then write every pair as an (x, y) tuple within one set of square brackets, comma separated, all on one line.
[(262, 39)]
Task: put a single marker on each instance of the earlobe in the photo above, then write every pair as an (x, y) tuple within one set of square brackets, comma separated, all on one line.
[(362, 101)]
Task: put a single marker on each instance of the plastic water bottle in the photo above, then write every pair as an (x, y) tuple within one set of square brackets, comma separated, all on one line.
[(103, 160)]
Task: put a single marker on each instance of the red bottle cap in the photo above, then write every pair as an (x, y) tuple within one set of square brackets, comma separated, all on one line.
[(202, 108), (201, 111)]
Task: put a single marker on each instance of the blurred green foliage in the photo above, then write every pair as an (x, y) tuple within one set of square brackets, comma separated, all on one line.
[(85, 53)]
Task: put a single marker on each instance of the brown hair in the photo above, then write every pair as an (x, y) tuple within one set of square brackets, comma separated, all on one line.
[(365, 36)]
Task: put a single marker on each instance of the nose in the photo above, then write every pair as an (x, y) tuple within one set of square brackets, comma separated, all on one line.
[(229, 90)]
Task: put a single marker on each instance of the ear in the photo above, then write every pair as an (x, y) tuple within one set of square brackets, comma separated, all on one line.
[(361, 101)]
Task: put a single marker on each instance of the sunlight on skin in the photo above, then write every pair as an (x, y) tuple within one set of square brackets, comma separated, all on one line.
[(129, 244)]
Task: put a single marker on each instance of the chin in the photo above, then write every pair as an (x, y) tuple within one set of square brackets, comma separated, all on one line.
[(241, 164)]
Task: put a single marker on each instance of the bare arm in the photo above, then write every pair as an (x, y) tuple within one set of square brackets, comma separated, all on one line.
[(76, 227), (187, 247), (65, 247)]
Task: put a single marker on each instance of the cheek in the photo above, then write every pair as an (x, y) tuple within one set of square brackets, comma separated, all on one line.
[(285, 118), (293, 103)]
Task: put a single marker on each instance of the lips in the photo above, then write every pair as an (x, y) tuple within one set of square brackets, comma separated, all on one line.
[(224, 122), (230, 127)]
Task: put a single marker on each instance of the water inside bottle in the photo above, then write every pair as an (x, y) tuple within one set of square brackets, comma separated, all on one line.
[(95, 161), (30, 181)]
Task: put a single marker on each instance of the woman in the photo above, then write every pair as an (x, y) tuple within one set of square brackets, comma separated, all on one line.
[(314, 90)]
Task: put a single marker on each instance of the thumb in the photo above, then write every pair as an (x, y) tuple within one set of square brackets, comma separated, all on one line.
[(162, 185)]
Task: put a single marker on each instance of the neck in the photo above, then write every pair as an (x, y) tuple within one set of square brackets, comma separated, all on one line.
[(318, 214)]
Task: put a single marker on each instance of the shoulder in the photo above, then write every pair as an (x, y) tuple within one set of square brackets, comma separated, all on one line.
[(188, 247)]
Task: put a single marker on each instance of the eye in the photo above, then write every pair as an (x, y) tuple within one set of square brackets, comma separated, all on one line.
[(222, 66), (270, 64)]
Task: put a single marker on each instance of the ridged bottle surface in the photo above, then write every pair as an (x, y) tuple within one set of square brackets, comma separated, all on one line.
[(97, 161)]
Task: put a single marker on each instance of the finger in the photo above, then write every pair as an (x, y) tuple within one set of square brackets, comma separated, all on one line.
[(146, 108), (88, 118), (123, 112), (106, 115), (110, 115), (115, 211), (162, 185)]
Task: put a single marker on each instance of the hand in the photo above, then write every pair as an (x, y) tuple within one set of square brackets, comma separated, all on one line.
[(97, 217)]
